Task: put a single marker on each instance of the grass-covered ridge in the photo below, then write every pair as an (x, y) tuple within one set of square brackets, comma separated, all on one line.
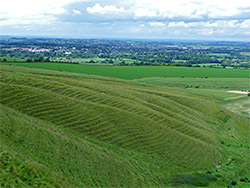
[(85, 130)]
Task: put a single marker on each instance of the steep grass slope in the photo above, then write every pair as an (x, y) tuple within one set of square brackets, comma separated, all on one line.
[(82, 130)]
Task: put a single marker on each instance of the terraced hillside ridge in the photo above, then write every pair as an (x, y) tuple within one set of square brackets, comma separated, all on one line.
[(78, 130)]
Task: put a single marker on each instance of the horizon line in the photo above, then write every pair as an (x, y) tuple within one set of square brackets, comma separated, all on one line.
[(119, 38)]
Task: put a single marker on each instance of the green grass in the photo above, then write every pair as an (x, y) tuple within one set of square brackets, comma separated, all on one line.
[(136, 72), (218, 54), (84, 60), (96, 59), (11, 59), (240, 106), (80, 130), (245, 53), (217, 94), (214, 89), (202, 180), (22, 173), (204, 83)]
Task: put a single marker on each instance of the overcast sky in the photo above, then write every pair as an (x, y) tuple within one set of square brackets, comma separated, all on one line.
[(145, 19)]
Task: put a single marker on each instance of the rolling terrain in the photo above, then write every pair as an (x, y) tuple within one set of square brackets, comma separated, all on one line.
[(77, 130)]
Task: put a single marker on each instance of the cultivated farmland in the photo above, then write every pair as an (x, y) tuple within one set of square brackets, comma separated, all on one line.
[(136, 72)]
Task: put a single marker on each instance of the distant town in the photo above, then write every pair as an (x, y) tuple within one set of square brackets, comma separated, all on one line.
[(126, 53)]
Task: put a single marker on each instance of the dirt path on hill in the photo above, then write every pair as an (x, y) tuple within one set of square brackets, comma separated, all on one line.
[(239, 92)]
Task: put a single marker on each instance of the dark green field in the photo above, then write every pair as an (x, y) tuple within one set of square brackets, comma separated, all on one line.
[(62, 129), (136, 72)]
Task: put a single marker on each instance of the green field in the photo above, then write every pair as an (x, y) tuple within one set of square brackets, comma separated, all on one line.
[(204, 83), (77, 130), (213, 89), (10, 59), (245, 53), (84, 60), (218, 54), (135, 72), (95, 59), (79, 60)]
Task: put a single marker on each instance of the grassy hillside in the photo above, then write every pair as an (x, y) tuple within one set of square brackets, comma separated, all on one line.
[(202, 83), (80, 130), (214, 89), (240, 106), (135, 72)]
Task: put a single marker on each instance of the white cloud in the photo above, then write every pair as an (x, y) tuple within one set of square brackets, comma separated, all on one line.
[(135, 30), (220, 29), (177, 24), (157, 24), (107, 9), (18, 12), (190, 8), (211, 24), (245, 24), (77, 12), (154, 18), (145, 12), (207, 32)]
